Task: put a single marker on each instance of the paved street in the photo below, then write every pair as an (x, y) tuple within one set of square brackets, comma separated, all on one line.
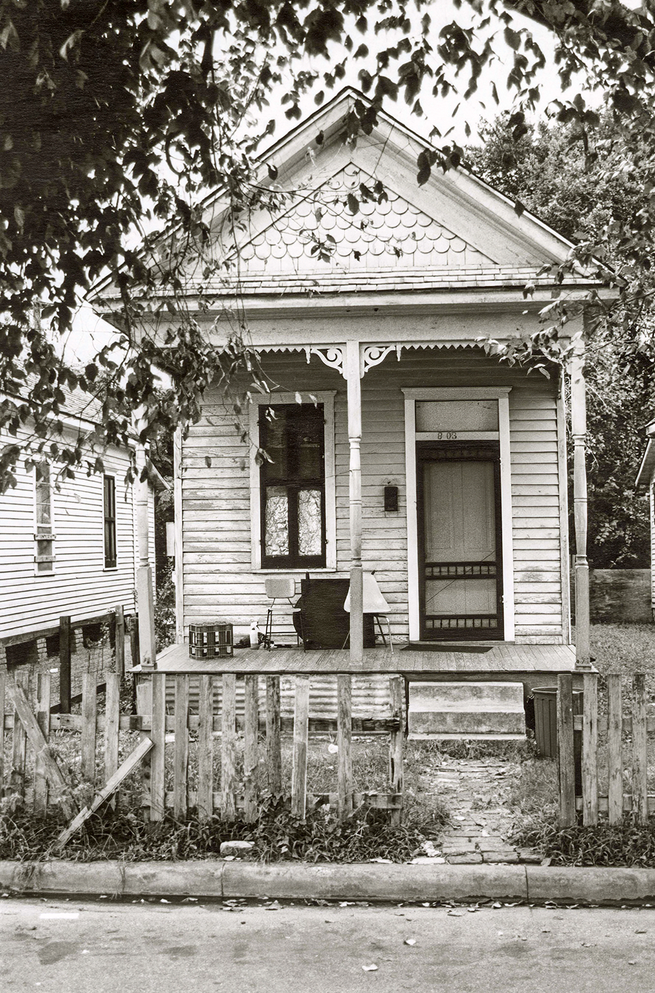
[(57, 946)]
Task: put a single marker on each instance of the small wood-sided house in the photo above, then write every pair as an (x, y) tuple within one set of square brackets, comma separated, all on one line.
[(646, 481), (398, 444), (68, 547)]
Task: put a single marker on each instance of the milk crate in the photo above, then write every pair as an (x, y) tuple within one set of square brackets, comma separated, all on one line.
[(211, 641)]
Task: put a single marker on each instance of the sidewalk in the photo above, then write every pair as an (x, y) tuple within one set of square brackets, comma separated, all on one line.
[(396, 883)]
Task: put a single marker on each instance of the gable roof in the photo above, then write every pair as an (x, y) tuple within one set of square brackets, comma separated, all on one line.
[(337, 231)]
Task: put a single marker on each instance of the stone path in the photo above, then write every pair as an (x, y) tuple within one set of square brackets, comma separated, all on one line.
[(476, 792)]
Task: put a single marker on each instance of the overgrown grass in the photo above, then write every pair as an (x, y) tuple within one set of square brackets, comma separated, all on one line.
[(625, 648), (625, 844), (276, 836)]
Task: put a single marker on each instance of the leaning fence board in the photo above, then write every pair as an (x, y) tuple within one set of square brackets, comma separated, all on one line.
[(158, 739), (30, 725), (89, 708), (344, 743), (43, 719), (142, 749), (205, 747), (181, 759), (396, 741), (565, 750), (614, 751), (300, 735), (590, 750), (273, 744), (228, 748), (250, 756), (639, 759)]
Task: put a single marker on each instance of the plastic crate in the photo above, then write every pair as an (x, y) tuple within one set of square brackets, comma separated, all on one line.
[(211, 641)]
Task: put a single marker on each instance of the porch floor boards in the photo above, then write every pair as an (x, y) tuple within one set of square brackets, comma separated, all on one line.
[(497, 662)]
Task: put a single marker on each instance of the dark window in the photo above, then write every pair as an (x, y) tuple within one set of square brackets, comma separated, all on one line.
[(293, 486), (110, 521)]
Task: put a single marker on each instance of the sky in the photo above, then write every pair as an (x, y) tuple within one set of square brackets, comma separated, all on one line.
[(90, 333)]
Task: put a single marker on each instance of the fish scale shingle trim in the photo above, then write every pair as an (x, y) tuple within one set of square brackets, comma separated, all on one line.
[(380, 233)]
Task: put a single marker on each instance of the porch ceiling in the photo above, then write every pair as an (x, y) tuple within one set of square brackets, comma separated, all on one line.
[(498, 661)]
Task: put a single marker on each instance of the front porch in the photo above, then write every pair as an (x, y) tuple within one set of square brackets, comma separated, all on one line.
[(535, 664)]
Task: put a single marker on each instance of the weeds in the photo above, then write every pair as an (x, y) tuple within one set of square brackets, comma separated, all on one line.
[(276, 835), (625, 844)]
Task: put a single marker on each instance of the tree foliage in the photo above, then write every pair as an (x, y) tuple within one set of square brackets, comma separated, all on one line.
[(118, 117), (589, 192)]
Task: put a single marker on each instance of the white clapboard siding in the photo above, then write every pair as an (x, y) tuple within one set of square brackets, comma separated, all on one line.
[(80, 586), (218, 576)]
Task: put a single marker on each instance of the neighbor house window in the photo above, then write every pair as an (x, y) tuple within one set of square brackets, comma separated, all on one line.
[(292, 486), (44, 537), (110, 521)]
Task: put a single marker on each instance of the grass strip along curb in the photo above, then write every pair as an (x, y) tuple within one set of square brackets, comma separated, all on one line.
[(386, 883)]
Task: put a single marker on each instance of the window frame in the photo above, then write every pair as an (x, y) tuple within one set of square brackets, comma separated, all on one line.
[(40, 532), (109, 519), (326, 398)]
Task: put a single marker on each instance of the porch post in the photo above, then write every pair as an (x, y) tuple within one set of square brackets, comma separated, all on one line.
[(579, 435), (352, 372), (144, 594)]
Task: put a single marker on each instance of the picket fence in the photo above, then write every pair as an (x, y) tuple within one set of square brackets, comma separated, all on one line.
[(161, 734), (622, 755)]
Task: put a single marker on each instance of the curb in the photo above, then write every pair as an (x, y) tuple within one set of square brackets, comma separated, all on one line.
[(394, 883)]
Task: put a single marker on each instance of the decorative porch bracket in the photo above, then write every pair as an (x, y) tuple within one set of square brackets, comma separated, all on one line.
[(579, 435)]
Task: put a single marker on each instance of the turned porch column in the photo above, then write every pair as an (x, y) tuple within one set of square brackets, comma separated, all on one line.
[(144, 594), (352, 372), (579, 437)]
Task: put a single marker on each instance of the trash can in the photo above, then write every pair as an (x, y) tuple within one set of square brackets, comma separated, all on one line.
[(545, 718)]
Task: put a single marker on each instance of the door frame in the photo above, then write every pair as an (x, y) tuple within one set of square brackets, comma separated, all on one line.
[(501, 395), (423, 450)]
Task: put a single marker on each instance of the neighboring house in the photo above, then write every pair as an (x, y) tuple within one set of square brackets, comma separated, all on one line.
[(646, 481), (67, 546), (412, 452)]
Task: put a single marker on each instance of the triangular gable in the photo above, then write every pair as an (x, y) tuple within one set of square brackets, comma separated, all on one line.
[(455, 230)]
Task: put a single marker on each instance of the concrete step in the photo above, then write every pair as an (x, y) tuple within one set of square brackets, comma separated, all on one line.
[(484, 709)]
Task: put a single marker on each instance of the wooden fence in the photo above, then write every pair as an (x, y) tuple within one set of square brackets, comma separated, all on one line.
[(621, 755), (258, 736)]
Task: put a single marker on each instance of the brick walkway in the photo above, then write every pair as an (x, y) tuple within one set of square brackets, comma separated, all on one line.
[(476, 792)]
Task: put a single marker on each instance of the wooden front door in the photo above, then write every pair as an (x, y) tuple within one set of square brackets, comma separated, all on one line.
[(459, 541)]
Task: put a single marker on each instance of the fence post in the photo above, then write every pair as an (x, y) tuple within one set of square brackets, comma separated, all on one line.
[(565, 750), (273, 743), (88, 745), (19, 744), (119, 641), (228, 748), (65, 637), (639, 745), (43, 720), (158, 753), (590, 750), (205, 747), (181, 763), (396, 743), (614, 755), (3, 681), (300, 736), (344, 744), (134, 639), (250, 735), (112, 727)]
